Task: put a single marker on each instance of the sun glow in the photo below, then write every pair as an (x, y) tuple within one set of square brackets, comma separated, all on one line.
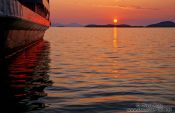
[(115, 20)]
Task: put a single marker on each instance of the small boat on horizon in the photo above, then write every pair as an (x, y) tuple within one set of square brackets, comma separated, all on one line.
[(22, 23)]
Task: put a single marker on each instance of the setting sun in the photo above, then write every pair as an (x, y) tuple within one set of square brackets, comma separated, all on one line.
[(115, 21)]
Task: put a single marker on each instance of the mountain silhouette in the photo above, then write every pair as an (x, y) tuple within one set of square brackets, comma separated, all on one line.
[(68, 25), (163, 24)]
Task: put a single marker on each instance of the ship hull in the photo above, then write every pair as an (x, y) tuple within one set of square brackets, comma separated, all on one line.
[(16, 34), (20, 27)]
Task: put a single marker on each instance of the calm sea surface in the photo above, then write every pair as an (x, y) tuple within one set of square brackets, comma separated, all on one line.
[(100, 70)]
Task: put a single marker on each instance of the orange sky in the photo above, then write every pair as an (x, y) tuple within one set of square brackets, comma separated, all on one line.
[(134, 12)]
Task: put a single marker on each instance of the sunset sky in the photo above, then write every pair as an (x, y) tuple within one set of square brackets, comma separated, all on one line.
[(134, 12)]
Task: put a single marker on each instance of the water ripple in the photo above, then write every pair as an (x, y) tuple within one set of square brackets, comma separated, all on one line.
[(97, 71)]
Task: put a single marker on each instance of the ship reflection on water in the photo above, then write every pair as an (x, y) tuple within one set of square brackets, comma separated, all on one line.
[(24, 78)]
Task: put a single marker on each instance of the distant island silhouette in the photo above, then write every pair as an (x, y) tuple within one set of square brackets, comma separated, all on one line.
[(160, 24), (68, 25), (111, 25), (163, 24)]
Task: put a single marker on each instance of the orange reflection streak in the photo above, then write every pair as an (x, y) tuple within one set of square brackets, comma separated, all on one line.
[(115, 42), (25, 76)]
